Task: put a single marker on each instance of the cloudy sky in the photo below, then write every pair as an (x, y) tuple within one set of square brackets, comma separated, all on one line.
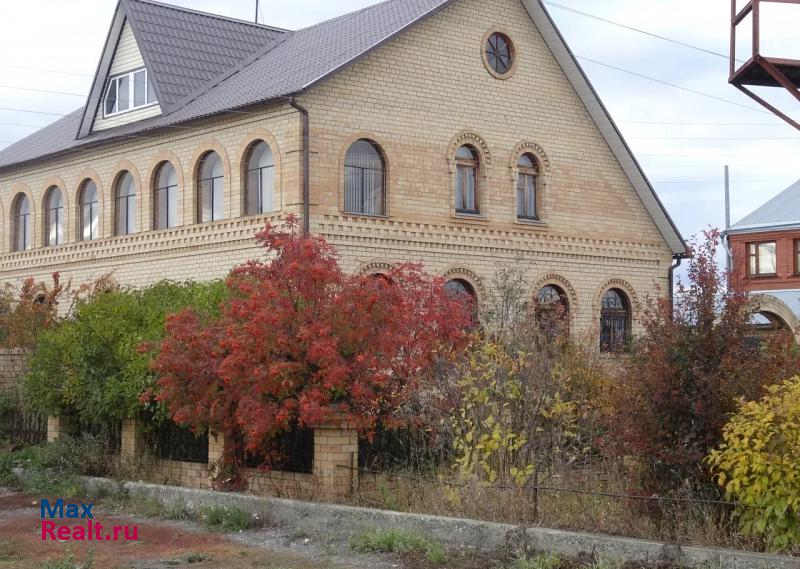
[(682, 139)]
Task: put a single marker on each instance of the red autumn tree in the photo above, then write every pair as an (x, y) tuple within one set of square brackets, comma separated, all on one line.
[(688, 368), (299, 342)]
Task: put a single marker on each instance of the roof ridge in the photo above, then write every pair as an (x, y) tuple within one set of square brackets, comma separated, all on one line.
[(212, 15), (346, 15)]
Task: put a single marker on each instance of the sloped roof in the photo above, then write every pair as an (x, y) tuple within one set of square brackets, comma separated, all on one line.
[(184, 50), (287, 64), (782, 210)]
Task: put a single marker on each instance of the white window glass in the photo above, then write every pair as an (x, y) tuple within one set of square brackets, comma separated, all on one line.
[(123, 93), (364, 179), (23, 230), (139, 88)]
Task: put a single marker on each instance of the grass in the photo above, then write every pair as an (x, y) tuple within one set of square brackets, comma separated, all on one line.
[(542, 561), (226, 518), (396, 541), (68, 562)]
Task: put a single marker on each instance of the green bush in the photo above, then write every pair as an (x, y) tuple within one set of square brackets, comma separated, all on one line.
[(758, 464), (93, 364)]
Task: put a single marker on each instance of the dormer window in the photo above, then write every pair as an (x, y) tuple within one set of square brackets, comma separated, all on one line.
[(128, 92)]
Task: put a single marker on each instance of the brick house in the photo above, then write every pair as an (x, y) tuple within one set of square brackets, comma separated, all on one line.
[(765, 250), (459, 133)]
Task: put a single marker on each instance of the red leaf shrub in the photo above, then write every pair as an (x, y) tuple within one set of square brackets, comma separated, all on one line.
[(687, 370), (300, 342)]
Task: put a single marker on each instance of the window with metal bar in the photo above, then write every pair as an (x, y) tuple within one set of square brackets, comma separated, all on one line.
[(615, 321), (364, 179)]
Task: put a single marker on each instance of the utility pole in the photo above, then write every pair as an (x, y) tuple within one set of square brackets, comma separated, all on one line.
[(728, 259)]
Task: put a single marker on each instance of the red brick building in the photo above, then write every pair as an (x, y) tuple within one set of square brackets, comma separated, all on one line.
[(765, 250)]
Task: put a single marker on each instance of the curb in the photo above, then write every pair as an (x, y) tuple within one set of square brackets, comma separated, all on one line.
[(335, 520)]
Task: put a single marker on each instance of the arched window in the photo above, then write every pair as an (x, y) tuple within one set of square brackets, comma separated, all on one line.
[(54, 220), (165, 196), (90, 211), (460, 287), (125, 206), (22, 224), (552, 310), (527, 178), (211, 189), (615, 321), (364, 179), (260, 190), (467, 167)]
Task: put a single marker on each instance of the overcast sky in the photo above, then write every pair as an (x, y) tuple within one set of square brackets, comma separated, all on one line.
[(684, 161)]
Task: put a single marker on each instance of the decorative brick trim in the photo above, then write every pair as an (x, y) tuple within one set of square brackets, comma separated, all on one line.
[(768, 303), (561, 282), (375, 268), (459, 272), (475, 140), (625, 287)]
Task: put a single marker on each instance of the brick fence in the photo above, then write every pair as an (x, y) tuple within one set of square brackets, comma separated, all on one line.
[(12, 368), (334, 471)]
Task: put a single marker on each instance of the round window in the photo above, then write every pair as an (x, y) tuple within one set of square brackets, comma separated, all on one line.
[(499, 53)]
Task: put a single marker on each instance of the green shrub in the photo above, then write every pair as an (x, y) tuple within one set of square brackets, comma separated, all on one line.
[(226, 518), (93, 364), (758, 464), (396, 541)]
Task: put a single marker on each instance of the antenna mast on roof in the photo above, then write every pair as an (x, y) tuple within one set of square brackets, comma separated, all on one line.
[(256, 11)]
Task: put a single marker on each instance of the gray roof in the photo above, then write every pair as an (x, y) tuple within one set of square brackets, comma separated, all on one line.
[(287, 63), (184, 50), (780, 211), (245, 64)]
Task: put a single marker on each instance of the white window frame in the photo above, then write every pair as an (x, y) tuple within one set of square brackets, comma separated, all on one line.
[(113, 82)]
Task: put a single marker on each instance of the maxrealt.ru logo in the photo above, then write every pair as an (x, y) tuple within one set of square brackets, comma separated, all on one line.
[(86, 528)]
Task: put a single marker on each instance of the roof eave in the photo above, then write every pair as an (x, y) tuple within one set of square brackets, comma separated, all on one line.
[(602, 118)]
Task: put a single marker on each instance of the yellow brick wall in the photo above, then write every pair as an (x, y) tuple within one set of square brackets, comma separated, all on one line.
[(417, 96)]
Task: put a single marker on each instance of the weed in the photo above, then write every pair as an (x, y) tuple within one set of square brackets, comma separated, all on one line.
[(177, 510), (68, 562), (396, 541), (542, 561), (196, 558), (606, 564), (6, 551), (224, 518)]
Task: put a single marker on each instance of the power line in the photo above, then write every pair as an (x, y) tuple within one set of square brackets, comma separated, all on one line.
[(23, 125), (81, 95), (681, 87), (46, 70), (32, 112), (718, 181), (726, 138), (700, 123), (638, 30)]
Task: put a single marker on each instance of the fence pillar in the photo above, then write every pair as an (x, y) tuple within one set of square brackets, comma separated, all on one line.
[(58, 426), (216, 451), (131, 440), (336, 457)]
